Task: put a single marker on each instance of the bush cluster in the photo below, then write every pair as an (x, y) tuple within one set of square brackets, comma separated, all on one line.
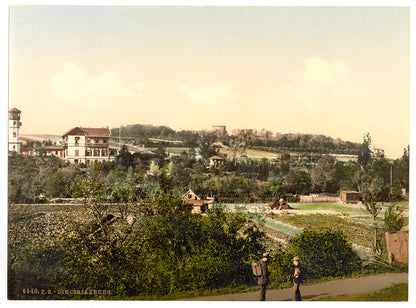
[(325, 254)]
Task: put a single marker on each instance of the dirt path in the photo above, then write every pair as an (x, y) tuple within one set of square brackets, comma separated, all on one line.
[(331, 288)]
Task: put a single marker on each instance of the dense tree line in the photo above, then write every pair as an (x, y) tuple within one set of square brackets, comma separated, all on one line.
[(238, 139), (236, 179)]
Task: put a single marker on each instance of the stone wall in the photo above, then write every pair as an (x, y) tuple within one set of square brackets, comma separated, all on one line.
[(398, 246)]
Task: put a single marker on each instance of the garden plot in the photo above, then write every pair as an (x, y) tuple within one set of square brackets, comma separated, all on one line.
[(353, 221)]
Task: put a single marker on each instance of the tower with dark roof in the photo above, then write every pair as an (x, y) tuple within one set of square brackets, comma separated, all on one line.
[(14, 130)]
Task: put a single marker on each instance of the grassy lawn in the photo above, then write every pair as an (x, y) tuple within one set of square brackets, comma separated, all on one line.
[(398, 292), (355, 232), (176, 150), (257, 154), (336, 207)]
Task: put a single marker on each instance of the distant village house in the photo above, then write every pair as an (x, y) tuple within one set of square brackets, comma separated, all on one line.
[(57, 151), (198, 205), (215, 160)]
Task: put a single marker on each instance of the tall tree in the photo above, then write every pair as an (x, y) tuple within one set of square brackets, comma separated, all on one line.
[(364, 152), (369, 191), (324, 175)]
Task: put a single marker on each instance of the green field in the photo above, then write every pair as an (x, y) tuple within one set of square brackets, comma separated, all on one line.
[(356, 233), (342, 209), (257, 154), (40, 137)]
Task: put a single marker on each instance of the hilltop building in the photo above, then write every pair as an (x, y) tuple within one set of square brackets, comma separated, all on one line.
[(87, 145), (14, 130), (220, 130)]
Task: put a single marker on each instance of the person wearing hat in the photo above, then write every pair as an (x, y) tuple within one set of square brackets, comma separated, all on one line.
[(297, 279), (264, 278)]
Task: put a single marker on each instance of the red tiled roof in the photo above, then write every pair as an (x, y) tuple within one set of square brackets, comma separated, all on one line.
[(88, 131), (215, 157)]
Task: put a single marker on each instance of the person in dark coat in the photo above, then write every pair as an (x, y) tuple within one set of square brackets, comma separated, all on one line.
[(297, 275), (264, 278)]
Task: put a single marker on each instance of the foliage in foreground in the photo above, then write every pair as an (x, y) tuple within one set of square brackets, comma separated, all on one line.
[(170, 255), (325, 254), (155, 248)]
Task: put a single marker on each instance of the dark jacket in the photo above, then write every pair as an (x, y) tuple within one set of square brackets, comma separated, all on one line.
[(264, 278), (297, 274)]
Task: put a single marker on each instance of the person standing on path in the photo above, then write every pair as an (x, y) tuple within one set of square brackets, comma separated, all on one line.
[(297, 279), (264, 278)]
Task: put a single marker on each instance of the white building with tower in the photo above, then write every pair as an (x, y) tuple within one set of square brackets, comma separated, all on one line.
[(14, 128)]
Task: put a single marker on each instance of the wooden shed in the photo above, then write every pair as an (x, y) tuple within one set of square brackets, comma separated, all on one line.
[(350, 196)]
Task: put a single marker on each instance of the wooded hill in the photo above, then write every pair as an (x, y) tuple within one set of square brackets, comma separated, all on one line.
[(247, 138)]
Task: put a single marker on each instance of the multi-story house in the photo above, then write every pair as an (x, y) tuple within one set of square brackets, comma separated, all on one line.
[(87, 145)]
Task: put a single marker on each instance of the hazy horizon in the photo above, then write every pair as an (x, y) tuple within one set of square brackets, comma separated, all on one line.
[(336, 71)]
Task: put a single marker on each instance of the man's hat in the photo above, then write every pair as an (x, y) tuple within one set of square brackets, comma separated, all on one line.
[(296, 259)]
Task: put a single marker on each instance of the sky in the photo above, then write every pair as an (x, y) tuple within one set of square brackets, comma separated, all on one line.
[(336, 71)]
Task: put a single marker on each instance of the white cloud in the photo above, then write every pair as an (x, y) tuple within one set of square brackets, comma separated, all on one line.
[(210, 95), (73, 85), (141, 86), (325, 84)]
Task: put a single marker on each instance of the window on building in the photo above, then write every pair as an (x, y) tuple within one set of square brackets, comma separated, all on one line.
[(76, 140), (96, 153), (104, 141), (76, 152), (88, 153), (104, 153), (14, 134)]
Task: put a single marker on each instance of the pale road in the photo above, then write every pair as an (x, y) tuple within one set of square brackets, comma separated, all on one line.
[(349, 286)]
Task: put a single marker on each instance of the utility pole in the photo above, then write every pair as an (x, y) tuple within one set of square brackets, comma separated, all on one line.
[(391, 179)]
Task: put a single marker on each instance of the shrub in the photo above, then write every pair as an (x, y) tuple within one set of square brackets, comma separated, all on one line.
[(393, 221), (324, 253), (280, 266)]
